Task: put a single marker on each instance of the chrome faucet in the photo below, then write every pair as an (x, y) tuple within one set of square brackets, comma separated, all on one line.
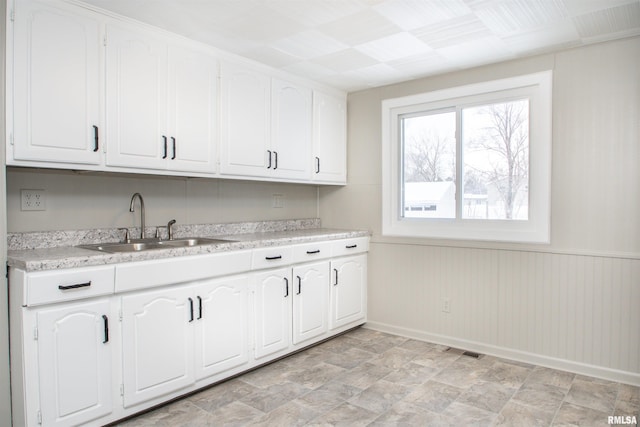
[(133, 198), (170, 228)]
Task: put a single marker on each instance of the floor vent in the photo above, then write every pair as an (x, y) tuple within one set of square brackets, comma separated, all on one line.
[(465, 352)]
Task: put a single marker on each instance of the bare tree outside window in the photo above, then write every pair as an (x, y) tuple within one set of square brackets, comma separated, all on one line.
[(496, 159)]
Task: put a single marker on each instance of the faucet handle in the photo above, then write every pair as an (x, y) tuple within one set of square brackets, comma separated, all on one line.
[(127, 235), (158, 233)]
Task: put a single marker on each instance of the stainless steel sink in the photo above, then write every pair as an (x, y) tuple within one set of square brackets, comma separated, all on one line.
[(150, 244)]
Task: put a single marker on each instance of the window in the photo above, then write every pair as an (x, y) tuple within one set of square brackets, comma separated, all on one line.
[(471, 162)]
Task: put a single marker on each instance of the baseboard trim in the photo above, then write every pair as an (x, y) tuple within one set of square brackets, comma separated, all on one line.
[(626, 377)]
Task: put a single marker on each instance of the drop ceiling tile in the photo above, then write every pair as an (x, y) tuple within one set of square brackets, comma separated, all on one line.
[(608, 22), (453, 31), (376, 75), (412, 14), (345, 60), (478, 52), (421, 65), (360, 28), (261, 24), (313, 13), (310, 70), (557, 36), (511, 16), (271, 57), (581, 7), (308, 44), (393, 47)]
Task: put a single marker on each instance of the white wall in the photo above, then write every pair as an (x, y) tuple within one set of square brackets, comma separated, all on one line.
[(572, 304), (82, 201)]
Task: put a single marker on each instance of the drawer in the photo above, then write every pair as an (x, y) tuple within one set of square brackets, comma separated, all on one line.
[(275, 256), (350, 246), (67, 285), (311, 251), (150, 274)]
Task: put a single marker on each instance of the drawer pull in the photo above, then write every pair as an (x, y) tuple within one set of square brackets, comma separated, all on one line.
[(76, 286), (317, 251), (351, 246), (199, 308), (286, 285), (336, 270), (271, 258), (106, 329), (190, 310), (299, 285)]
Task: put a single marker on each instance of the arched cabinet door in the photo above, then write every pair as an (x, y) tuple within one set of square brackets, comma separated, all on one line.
[(348, 290)]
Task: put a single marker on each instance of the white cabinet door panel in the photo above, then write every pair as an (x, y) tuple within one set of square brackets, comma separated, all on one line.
[(329, 138), (348, 290), (245, 122), (136, 99), (291, 111), (311, 299), (192, 100), (222, 331), (157, 344), (74, 361), (272, 311), (57, 92)]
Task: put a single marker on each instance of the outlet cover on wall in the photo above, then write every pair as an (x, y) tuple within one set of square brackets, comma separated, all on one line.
[(33, 200), (278, 201)]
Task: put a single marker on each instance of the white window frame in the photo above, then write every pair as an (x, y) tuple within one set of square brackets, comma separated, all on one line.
[(536, 229)]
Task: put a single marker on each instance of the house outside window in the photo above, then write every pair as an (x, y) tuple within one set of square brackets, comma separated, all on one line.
[(470, 162)]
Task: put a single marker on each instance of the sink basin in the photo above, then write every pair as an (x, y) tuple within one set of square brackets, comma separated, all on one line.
[(150, 244)]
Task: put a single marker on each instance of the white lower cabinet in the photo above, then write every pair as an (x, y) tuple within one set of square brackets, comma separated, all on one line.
[(348, 290), (157, 343), (272, 311), (310, 301), (93, 345), (74, 361), (173, 337)]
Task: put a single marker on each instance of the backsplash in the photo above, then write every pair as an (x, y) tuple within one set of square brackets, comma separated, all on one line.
[(51, 239)]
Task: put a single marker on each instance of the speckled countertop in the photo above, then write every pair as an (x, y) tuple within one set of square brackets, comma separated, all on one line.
[(57, 249)]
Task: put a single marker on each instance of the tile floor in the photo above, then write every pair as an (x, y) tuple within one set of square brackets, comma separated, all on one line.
[(368, 378)]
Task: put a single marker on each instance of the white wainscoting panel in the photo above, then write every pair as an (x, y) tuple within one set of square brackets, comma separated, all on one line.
[(573, 312)]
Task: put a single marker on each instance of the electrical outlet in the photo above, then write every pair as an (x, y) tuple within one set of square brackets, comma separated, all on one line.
[(278, 201), (446, 305), (33, 200)]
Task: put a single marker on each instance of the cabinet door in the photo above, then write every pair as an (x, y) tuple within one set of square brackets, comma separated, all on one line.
[(137, 133), (193, 81), (245, 122), (329, 138), (157, 343), (291, 113), (272, 311), (221, 327), (348, 292), (310, 301), (57, 71), (74, 362)]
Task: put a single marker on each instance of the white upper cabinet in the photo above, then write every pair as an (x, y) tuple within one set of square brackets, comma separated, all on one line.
[(160, 104), (290, 129), (265, 126), (329, 139), (245, 121), (57, 55), (193, 87)]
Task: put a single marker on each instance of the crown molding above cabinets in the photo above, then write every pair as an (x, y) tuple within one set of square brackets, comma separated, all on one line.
[(88, 90)]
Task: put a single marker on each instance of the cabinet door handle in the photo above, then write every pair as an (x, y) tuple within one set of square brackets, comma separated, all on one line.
[(76, 286), (164, 138), (269, 165), (351, 246), (299, 285), (106, 328), (271, 258), (276, 163), (317, 164), (95, 139), (336, 270), (173, 142), (199, 308), (190, 310), (286, 287), (317, 251)]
